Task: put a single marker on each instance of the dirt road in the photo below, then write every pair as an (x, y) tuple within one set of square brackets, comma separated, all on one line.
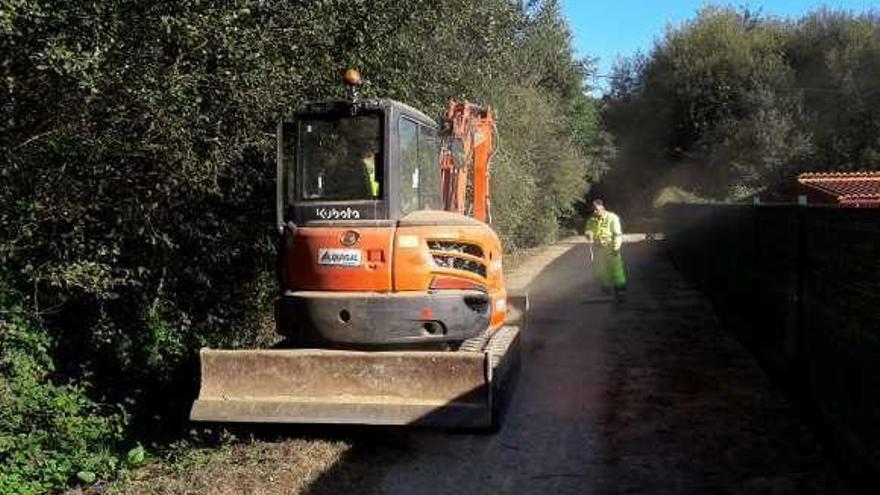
[(649, 396)]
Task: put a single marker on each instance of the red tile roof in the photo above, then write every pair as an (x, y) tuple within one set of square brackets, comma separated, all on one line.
[(847, 187)]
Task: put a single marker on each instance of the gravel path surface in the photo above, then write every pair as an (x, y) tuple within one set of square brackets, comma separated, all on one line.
[(648, 396)]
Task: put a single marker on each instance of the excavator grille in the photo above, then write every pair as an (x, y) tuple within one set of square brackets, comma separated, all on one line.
[(456, 247), (458, 255)]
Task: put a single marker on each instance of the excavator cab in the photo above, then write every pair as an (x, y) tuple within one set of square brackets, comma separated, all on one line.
[(371, 160)]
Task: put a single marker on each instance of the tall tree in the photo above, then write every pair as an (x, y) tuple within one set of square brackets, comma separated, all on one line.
[(733, 103)]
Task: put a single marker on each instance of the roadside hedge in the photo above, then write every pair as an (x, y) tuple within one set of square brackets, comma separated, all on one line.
[(136, 183)]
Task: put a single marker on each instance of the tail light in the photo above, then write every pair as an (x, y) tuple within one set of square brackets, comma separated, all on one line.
[(446, 283)]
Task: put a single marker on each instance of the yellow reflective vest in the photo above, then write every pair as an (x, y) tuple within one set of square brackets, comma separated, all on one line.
[(605, 230)]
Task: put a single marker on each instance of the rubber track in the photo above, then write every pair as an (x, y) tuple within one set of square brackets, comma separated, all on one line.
[(496, 343), (500, 342), (476, 343)]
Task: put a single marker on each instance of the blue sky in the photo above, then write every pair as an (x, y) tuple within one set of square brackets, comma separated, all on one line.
[(611, 28)]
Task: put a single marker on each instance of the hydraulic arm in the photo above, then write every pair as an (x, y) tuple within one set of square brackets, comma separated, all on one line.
[(468, 142)]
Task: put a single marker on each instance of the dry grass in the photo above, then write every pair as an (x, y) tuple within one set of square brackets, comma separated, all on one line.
[(322, 463), (258, 467)]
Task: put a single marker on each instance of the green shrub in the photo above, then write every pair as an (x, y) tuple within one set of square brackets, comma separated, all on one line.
[(539, 172), (50, 431)]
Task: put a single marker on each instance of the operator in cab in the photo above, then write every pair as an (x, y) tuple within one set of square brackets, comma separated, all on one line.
[(369, 162)]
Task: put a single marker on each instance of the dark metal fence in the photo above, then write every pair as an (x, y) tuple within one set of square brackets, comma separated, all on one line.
[(800, 286)]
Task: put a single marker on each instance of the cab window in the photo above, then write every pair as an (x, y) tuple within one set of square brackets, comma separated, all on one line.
[(429, 170), (409, 165), (419, 167), (340, 158)]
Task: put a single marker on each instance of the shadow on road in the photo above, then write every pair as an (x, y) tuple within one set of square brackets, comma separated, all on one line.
[(687, 409)]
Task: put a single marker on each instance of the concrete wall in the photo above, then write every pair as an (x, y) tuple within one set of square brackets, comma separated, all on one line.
[(800, 286)]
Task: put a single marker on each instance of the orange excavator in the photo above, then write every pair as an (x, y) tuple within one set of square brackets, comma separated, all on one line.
[(392, 302)]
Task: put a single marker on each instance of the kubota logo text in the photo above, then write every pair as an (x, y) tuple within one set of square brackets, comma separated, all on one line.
[(334, 214)]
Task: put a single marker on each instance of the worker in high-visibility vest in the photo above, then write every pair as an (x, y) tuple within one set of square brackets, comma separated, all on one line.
[(369, 162), (605, 238)]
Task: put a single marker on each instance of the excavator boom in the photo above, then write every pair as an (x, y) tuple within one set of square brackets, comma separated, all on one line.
[(468, 137)]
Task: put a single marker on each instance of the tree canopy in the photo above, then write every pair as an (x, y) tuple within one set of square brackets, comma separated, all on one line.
[(734, 103)]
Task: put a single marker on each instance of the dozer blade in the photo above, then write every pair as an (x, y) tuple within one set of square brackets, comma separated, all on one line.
[(454, 389)]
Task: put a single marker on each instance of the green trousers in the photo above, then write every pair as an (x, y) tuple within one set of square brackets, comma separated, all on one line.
[(608, 268)]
